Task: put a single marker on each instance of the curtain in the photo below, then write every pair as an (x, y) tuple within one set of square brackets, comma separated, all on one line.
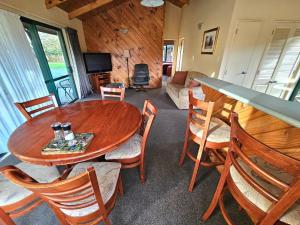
[(85, 86), (21, 78)]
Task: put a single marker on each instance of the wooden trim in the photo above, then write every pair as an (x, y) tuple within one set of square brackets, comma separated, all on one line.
[(22, 106), (52, 3), (87, 8)]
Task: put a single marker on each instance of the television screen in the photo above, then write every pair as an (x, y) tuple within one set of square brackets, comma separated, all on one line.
[(97, 62)]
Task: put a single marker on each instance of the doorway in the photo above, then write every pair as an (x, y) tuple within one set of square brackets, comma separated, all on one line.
[(49, 47), (168, 57)]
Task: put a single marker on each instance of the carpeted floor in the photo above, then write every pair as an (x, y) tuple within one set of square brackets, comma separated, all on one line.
[(164, 198)]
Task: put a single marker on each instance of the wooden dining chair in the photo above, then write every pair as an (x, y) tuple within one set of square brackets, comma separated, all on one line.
[(265, 183), (36, 106), (132, 153), (16, 201), (86, 197), (113, 92), (210, 133)]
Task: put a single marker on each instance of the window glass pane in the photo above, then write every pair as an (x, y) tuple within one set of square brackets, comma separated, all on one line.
[(164, 53), (169, 57), (53, 51)]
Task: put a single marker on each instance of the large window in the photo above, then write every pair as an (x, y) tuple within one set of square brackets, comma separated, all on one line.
[(49, 47), (168, 50)]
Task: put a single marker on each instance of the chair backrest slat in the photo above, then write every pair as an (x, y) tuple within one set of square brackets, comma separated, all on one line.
[(113, 92), (259, 174), (202, 117), (24, 106), (78, 192)]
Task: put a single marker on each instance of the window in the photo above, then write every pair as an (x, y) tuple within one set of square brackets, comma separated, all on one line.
[(168, 50)]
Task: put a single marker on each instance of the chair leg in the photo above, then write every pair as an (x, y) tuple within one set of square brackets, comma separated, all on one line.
[(185, 147), (219, 190), (106, 221), (120, 186), (142, 172), (5, 219), (196, 169)]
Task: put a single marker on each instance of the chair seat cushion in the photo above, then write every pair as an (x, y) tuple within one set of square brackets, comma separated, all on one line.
[(292, 216), (11, 193), (218, 132), (127, 150), (107, 177)]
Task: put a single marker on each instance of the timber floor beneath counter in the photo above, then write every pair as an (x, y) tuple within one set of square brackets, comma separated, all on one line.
[(164, 198)]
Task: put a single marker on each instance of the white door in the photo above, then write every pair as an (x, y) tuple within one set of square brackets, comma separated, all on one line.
[(278, 72), (242, 52)]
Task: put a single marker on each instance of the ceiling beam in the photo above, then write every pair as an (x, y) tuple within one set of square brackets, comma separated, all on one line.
[(87, 8), (179, 3), (51, 3)]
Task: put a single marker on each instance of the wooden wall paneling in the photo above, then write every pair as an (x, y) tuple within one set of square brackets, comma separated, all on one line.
[(264, 127), (103, 33)]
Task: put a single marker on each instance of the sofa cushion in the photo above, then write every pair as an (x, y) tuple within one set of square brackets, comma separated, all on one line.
[(191, 76), (179, 77), (175, 88)]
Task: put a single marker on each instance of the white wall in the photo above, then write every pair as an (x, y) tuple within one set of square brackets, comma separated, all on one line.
[(172, 27), (268, 12), (212, 13)]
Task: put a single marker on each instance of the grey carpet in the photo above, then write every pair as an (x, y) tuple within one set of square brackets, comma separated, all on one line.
[(164, 198)]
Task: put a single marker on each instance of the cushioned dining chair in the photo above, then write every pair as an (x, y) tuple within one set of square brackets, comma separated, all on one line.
[(16, 201), (264, 182), (36, 106), (86, 197), (113, 92), (210, 133), (132, 153)]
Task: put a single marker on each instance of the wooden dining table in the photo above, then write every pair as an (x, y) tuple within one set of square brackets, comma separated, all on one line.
[(111, 122)]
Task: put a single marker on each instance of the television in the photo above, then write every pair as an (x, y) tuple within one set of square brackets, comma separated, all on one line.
[(97, 62)]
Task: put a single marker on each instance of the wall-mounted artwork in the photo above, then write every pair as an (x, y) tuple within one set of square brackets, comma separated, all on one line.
[(209, 41)]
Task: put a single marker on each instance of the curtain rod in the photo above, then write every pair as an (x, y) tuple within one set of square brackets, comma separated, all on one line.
[(15, 10)]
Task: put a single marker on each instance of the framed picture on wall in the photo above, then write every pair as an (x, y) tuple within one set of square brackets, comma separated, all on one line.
[(210, 40)]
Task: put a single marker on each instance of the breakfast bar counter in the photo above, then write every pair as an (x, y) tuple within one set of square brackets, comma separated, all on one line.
[(273, 121)]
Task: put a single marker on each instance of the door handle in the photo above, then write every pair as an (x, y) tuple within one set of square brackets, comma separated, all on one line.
[(272, 82), (244, 72)]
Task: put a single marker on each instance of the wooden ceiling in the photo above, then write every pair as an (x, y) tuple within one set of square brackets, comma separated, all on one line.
[(83, 9)]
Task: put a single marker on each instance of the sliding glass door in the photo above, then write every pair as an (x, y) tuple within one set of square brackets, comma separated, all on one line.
[(49, 47)]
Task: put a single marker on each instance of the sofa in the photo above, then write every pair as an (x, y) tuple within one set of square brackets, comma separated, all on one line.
[(179, 92)]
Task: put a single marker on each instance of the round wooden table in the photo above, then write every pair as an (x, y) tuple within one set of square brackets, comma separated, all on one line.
[(112, 123)]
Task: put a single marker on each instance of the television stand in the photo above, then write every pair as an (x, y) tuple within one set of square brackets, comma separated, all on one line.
[(99, 79)]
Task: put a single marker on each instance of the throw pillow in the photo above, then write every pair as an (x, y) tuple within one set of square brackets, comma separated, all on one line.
[(193, 84), (179, 77)]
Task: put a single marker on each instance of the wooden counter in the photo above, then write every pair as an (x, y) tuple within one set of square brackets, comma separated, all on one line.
[(271, 120)]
